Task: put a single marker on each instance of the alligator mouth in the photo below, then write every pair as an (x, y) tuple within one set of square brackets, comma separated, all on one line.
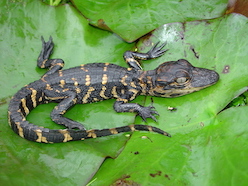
[(175, 92)]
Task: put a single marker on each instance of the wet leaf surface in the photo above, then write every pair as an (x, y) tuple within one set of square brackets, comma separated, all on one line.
[(133, 19), (204, 140)]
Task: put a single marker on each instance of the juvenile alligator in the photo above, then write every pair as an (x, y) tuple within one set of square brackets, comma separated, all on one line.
[(100, 81)]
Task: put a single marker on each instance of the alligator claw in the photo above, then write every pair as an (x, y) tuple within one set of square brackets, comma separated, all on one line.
[(156, 51), (47, 47), (147, 112)]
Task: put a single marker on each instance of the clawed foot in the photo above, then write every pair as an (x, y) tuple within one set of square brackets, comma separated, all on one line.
[(47, 47), (147, 112), (46, 51), (156, 51)]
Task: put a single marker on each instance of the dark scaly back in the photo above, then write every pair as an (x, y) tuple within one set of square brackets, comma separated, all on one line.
[(102, 77)]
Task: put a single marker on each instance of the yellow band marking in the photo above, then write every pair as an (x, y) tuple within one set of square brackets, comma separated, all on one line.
[(55, 98), (82, 68), (62, 112), (65, 90), (43, 78), (67, 136), (40, 99), (87, 80), (150, 128), (113, 131), (123, 80), (91, 134), (95, 99), (149, 81), (123, 91), (102, 92), (78, 90), (132, 127), (74, 100), (20, 129), (20, 112), (33, 97), (62, 83), (104, 79), (133, 84), (87, 95), (24, 106), (48, 87), (40, 137), (144, 87), (135, 92), (43, 63), (130, 60), (121, 99), (60, 73), (114, 91), (75, 83)]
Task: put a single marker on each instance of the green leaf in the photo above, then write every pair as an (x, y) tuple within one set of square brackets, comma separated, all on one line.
[(206, 148), (133, 19)]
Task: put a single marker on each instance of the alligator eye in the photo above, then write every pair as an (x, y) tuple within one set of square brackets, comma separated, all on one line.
[(181, 80), (162, 83)]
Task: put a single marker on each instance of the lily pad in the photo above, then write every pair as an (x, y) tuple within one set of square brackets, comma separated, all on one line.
[(203, 142), (133, 19)]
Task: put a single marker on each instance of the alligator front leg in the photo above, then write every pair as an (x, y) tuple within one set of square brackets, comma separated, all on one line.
[(132, 57)]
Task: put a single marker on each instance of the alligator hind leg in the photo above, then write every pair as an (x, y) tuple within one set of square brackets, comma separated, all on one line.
[(43, 60), (68, 100), (132, 57)]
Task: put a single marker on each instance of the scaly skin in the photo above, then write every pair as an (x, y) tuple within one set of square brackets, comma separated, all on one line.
[(97, 82)]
